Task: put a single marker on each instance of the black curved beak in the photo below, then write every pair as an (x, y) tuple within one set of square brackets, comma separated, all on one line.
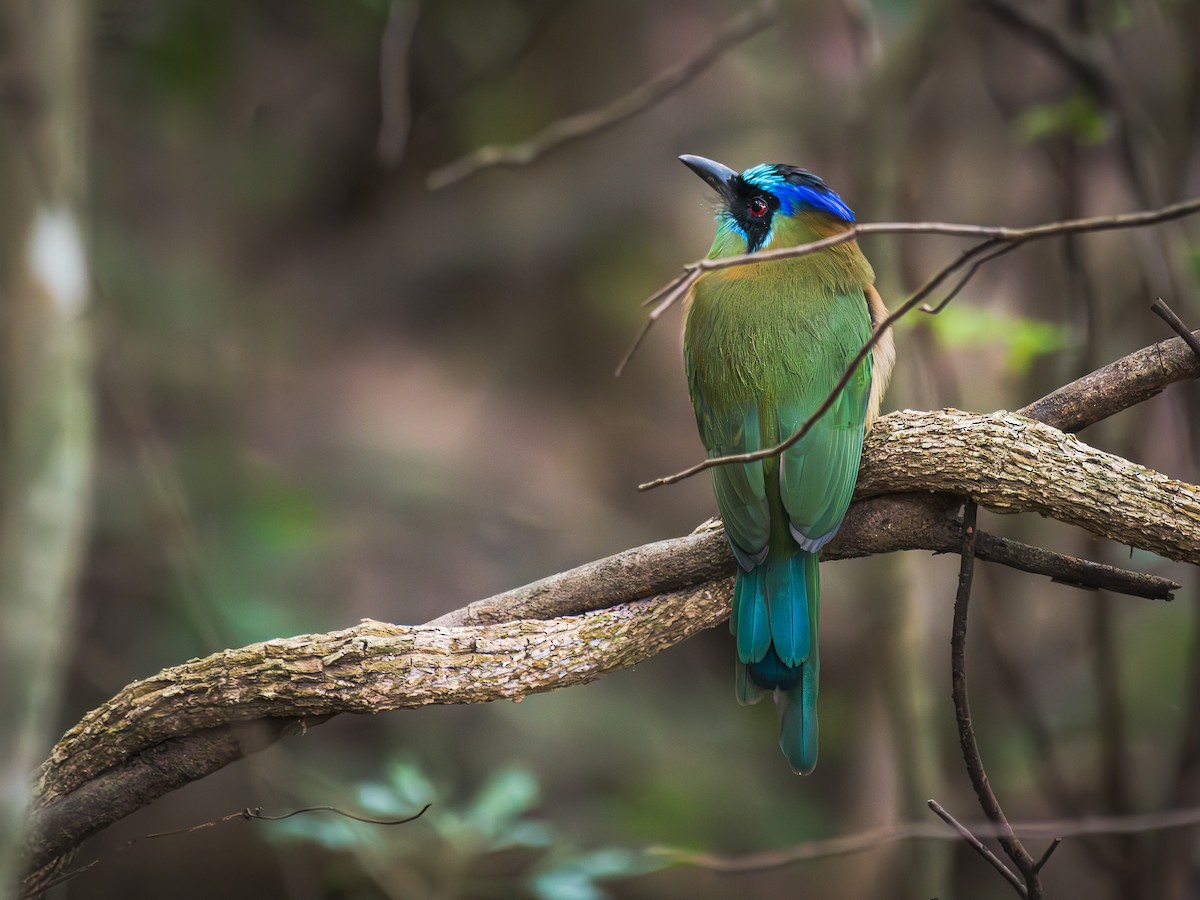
[(716, 176)]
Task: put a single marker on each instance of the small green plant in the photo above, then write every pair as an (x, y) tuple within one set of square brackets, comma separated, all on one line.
[(488, 845)]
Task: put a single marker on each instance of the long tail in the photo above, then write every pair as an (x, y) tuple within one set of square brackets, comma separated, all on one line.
[(776, 611)]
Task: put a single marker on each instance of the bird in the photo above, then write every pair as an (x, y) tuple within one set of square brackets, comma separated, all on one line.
[(764, 346)]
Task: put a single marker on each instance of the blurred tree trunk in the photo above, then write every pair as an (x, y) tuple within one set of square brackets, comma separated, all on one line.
[(45, 416)]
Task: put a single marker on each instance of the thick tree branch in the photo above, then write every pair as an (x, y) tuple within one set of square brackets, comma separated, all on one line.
[(375, 667), (1107, 391), (86, 785), (882, 524), (1012, 464)]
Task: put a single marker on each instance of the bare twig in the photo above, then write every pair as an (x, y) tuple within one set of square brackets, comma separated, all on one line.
[(1168, 315), (992, 238), (1047, 853), (395, 110), (977, 845), (968, 275), (1068, 53), (246, 814), (249, 814), (572, 128), (859, 842), (962, 714)]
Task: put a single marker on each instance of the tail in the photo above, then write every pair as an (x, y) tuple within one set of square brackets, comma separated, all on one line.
[(776, 608)]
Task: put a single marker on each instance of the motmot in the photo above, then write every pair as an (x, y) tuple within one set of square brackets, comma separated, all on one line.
[(764, 345)]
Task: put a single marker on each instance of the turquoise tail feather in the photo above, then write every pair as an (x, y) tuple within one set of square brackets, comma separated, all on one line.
[(776, 607), (798, 725)]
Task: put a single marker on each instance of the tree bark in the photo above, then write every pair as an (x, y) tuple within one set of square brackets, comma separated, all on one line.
[(188, 721), (1002, 459)]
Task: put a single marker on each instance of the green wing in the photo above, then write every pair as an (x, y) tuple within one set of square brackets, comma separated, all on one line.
[(773, 398), (819, 471), (740, 489)]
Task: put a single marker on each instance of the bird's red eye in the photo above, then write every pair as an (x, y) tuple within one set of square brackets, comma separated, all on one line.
[(758, 207)]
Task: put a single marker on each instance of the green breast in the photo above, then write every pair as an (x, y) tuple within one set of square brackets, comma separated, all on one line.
[(773, 333)]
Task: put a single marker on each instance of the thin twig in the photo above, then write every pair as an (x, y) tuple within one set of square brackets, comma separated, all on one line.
[(247, 814), (1068, 53), (977, 845), (257, 813), (1037, 866), (968, 275), (395, 108), (572, 128), (991, 237), (862, 841), (962, 713), (1164, 312)]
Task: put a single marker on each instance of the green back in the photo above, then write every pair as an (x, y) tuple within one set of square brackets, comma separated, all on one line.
[(764, 345)]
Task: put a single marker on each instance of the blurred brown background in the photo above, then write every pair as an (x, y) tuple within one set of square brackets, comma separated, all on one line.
[(327, 392)]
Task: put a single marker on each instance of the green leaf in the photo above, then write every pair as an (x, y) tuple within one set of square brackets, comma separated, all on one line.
[(507, 795), (575, 877), (1078, 117), (960, 327), (411, 785)]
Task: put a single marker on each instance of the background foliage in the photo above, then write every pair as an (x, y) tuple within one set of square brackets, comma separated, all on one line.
[(327, 392)]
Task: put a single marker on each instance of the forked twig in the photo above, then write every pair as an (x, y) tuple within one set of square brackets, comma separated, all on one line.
[(978, 846), (1015, 850)]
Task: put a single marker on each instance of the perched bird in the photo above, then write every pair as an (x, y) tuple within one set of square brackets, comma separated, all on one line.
[(764, 344)]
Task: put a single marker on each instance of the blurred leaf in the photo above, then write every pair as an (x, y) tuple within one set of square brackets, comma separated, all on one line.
[(507, 794), (188, 57), (1078, 117), (575, 877), (479, 30), (412, 786), (1119, 15), (493, 821), (1023, 340)]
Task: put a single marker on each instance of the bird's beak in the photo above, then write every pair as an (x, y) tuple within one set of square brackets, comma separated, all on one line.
[(716, 175)]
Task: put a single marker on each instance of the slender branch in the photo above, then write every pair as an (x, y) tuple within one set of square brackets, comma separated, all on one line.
[(858, 842), (992, 237), (978, 846), (883, 524), (395, 112), (966, 731), (930, 522), (573, 128), (981, 260), (1168, 315), (1047, 853), (1069, 54), (247, 815)]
